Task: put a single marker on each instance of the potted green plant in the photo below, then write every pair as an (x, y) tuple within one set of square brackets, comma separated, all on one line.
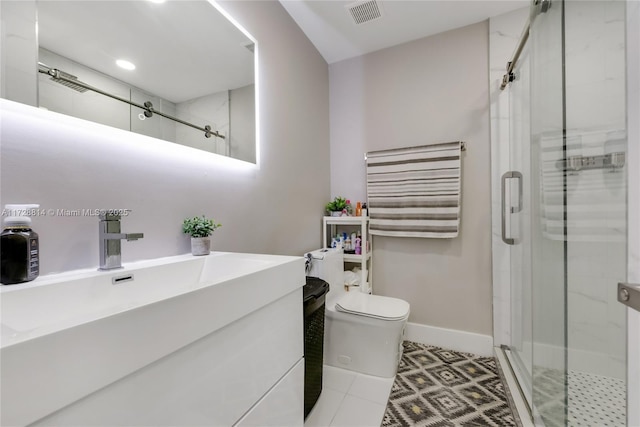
[(339, 206), (200, 228)]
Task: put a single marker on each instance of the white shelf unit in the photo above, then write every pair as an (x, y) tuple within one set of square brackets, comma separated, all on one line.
[(331, 225)]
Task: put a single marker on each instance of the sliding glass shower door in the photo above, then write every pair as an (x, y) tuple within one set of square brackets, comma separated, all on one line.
[(519, 221), (536, 211), (565, 213), (548, 208)]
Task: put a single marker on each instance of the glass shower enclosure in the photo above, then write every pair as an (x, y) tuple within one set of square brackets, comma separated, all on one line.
[(564, 210)]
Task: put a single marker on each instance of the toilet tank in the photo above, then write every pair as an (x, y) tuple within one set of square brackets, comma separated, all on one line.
[(328, 265)]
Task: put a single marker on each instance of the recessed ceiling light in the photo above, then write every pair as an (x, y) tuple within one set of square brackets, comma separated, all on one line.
[(125, 64)]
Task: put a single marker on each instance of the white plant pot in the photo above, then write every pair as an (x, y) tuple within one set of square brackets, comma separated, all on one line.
[(200, 245), (336, 213)]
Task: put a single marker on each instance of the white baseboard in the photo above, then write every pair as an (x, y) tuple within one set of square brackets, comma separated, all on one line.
[(451, 339)]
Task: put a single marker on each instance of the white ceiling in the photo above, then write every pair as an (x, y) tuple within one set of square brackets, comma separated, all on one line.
[(329, 26)]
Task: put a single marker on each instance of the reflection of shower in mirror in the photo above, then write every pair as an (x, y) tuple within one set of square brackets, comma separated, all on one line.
[(76, 39), (72, 82)]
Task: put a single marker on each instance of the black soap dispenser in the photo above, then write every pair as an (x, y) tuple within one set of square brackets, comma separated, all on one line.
[(19, 246)]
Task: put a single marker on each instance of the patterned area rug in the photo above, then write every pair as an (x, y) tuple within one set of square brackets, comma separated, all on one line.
[(435, 387)]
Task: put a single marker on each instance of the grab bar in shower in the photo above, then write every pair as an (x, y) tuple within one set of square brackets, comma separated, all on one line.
[(629, 295)]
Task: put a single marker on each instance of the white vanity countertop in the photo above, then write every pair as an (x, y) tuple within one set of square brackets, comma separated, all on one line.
[(58, 301)]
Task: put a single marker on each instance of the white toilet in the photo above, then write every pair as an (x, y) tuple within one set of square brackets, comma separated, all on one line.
[(362, 332)]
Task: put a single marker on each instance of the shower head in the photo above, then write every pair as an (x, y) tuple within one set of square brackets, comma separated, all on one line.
[(65, 79)]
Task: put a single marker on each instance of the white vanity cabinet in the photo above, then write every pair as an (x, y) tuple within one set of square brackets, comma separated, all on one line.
[(332, 225), (214, 381), (281, 406), (222, 348)]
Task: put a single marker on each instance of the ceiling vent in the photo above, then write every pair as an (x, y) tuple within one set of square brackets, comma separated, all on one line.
[(366, 11)]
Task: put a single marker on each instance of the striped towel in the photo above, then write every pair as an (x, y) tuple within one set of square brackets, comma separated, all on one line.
[(415, 191)]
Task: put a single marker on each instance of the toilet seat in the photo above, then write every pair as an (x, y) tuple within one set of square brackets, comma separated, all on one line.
[(375, 306)]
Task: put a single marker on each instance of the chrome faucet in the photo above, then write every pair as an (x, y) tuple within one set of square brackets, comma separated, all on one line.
[(110, 237)]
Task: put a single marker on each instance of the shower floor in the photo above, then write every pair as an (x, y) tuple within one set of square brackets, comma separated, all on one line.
[(596, 400), (593, 400)]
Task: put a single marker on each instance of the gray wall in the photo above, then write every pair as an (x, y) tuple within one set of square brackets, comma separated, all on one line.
[(66, 163), (426, 91)]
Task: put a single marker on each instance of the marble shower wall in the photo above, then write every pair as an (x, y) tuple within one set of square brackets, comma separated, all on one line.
[(597, 230)]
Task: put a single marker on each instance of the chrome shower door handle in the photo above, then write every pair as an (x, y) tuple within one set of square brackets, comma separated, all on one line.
[(507, 240), (505, 176), (517, 175)]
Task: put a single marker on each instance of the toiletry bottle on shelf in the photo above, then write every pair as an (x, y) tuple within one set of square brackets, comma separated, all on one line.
[(365, 212), (358, 209), (19, 247), (358, 246)]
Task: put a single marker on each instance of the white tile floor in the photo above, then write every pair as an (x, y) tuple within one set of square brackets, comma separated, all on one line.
[(350, 399)]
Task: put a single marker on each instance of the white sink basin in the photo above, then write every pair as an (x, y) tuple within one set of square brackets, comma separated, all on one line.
[(57, 329), (59, 301)]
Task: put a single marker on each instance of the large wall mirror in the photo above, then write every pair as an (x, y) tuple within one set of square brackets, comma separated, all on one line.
[(175, 70)]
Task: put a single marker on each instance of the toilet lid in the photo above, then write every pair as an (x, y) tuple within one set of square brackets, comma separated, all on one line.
[(376, 306)]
